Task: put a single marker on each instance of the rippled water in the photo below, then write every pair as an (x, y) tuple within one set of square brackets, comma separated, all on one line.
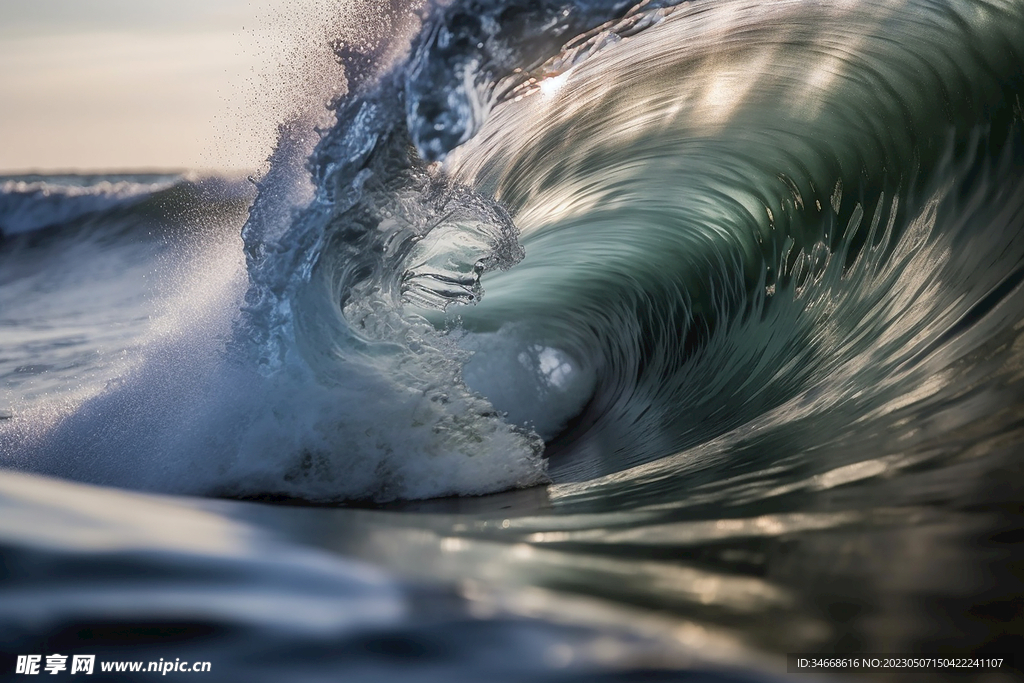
[(727, 294)]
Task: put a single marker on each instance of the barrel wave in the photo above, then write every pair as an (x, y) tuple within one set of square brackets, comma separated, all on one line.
[(738, 221), (572, 242)]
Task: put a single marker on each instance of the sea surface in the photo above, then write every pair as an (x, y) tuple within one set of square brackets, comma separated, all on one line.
[(589, 342)]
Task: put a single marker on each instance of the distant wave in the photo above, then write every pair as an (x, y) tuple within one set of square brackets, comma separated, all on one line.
[(31, 203)]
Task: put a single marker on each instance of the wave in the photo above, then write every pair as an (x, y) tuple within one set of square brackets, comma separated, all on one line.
[(33, 203), (718, 224), (606, 246)]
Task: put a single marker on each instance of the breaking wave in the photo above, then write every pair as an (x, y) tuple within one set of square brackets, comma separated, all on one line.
[(627, 239)]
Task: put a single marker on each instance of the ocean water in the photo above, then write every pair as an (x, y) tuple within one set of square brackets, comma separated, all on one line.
[(589, 342)]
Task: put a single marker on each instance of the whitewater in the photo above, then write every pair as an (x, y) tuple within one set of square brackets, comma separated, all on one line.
[(589, 339)]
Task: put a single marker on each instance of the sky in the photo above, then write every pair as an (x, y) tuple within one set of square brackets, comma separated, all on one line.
[(92, 85)]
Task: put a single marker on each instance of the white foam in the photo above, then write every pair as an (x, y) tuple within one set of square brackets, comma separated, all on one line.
[(192, 415)]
